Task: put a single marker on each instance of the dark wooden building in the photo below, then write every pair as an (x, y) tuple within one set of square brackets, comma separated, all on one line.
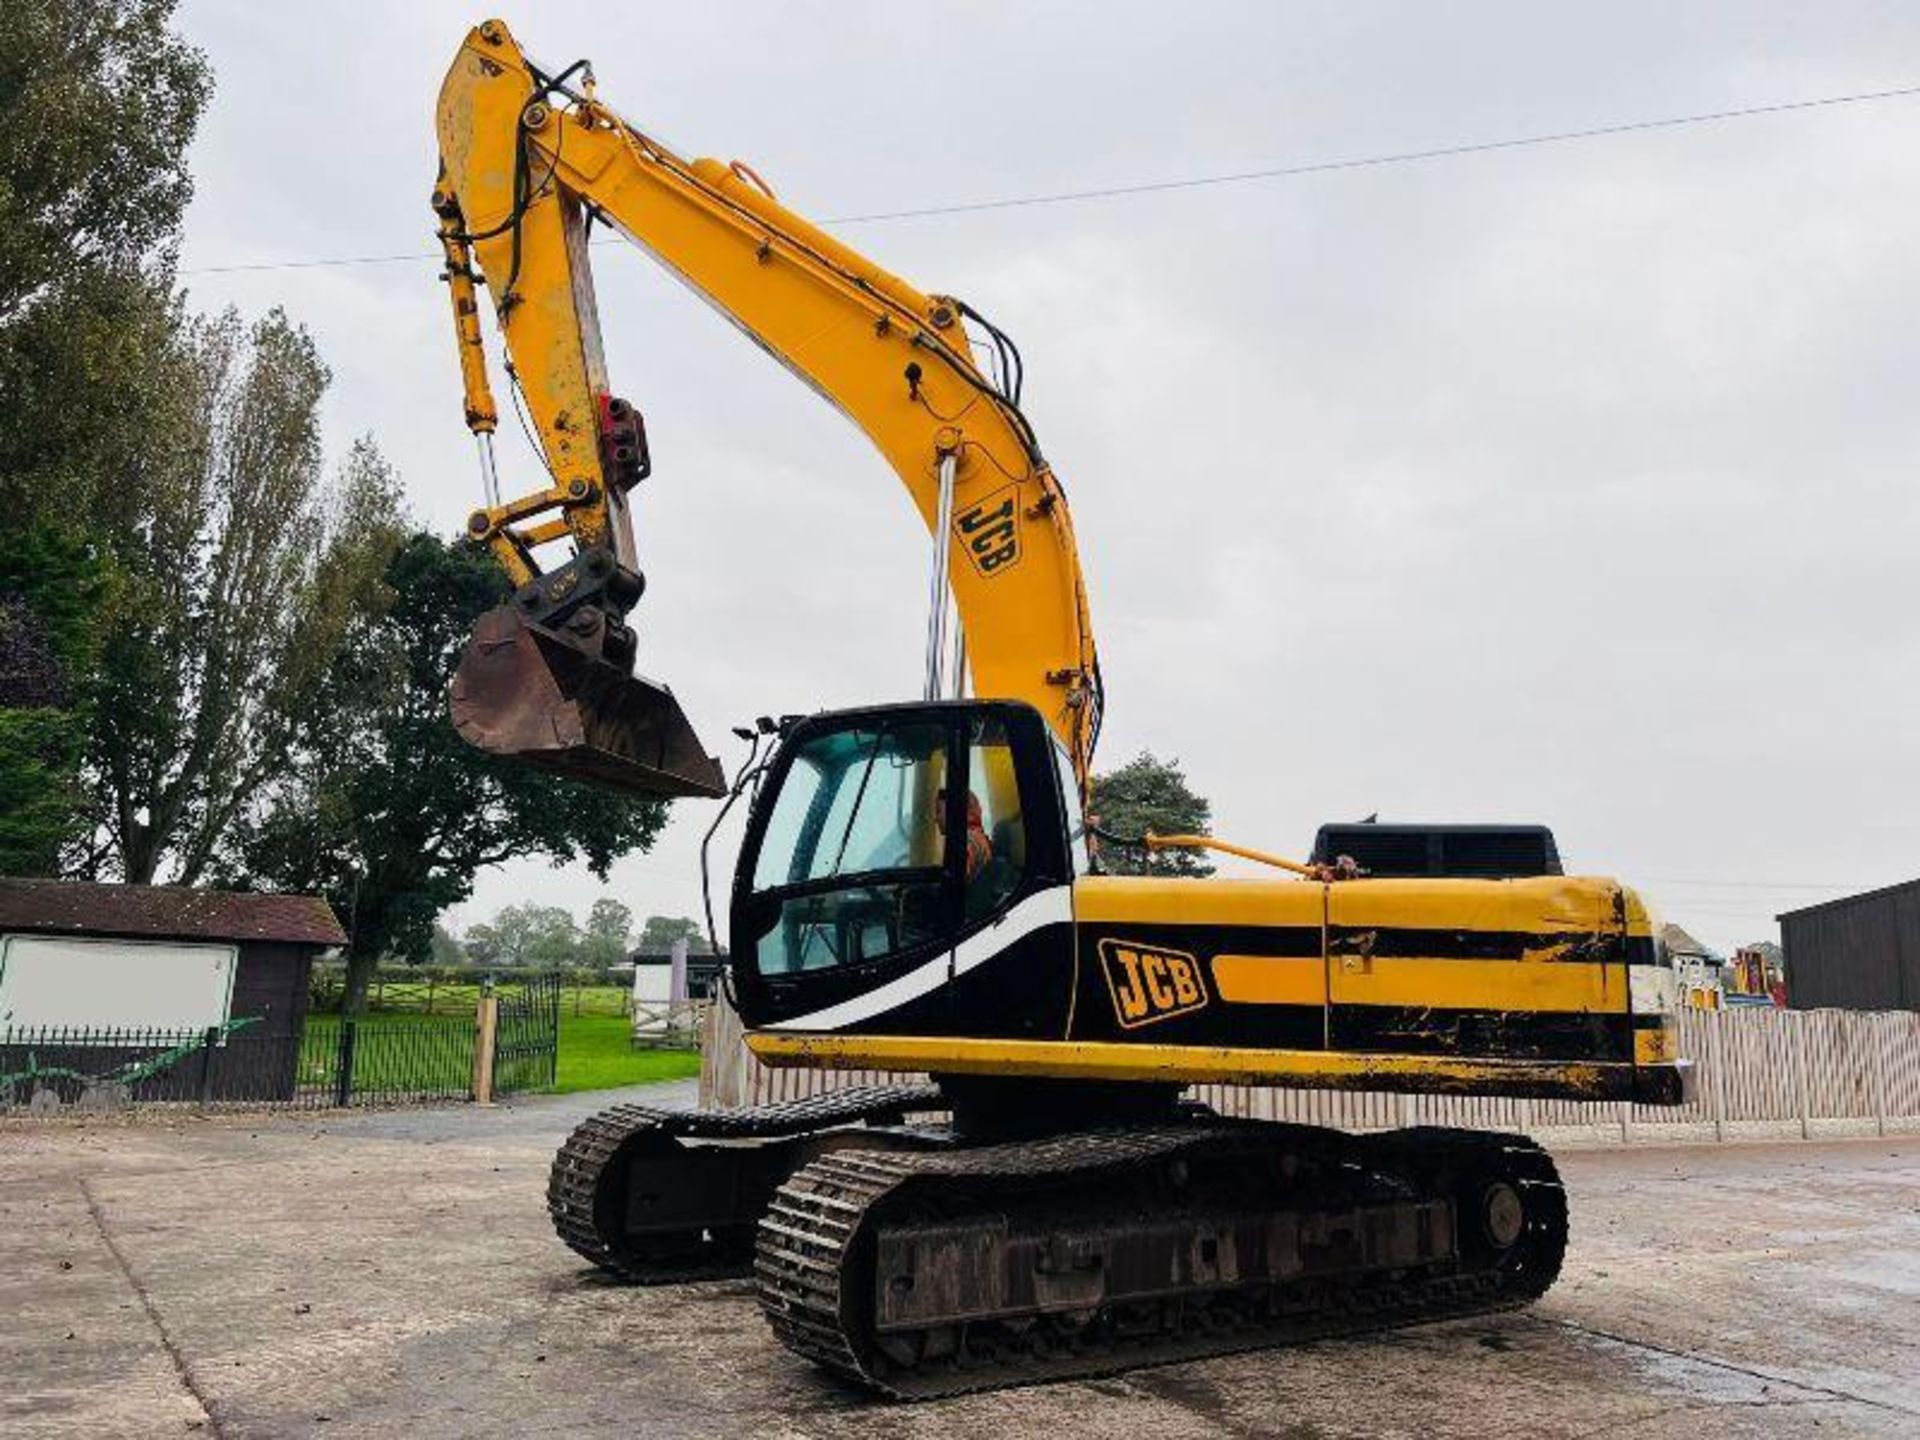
[(1857, 953), (79, 960)]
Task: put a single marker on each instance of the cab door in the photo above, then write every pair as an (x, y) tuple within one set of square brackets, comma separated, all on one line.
[(906, 872), (1522, 969), (1023, 839)]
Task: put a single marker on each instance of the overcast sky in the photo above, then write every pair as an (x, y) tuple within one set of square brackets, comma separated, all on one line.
[(1571, 484)]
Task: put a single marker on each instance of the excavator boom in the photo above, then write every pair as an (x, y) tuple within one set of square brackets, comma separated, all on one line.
[(528, 160)]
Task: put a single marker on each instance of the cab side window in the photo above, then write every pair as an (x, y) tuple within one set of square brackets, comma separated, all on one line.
[(996, 848), (849, 869)]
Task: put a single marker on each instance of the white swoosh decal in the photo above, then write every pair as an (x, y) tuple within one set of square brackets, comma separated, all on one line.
[(1050, 907)]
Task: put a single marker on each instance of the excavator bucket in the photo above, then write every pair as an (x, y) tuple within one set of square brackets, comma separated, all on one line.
[(523, 692)]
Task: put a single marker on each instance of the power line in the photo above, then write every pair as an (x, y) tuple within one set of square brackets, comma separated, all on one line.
[(415, 256), (1404, 157), (1199, 182)]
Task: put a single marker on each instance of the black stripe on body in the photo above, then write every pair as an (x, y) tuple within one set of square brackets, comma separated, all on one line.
[(1518, 1034), (1588, 947)]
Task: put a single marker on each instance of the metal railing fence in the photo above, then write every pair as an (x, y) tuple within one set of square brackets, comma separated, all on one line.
[(333, 1061)]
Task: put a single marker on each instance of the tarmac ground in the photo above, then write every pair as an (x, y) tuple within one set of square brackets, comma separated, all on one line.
[(393, 1274)]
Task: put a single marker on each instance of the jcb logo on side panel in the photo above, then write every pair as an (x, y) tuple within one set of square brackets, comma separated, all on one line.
[(1148, 983), (989, 531)]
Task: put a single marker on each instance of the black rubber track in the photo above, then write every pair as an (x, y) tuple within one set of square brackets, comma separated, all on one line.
[(586, 1186), (810, 1255)]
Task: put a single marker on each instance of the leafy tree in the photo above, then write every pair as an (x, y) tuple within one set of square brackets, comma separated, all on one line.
[(99, 102), (446, 948), (1149, 794), (96, 387), (39, 798), (46, 644), (243, 573), (543, 936), (98, 105), (608, 931), (99, 384), (660, 931), (484, 945), (387, 812)]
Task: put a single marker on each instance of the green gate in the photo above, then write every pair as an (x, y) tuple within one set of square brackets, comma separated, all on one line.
[(526, 1051)]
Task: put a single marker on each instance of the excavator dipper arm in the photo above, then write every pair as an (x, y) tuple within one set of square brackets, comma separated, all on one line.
[(528, 160)]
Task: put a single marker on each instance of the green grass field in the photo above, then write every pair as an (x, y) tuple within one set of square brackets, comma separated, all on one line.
[(414, 1053), (457, 997), (595, 1055)]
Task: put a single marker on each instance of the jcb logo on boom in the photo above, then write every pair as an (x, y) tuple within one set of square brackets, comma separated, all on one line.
[(989, 531), (1150, 984)]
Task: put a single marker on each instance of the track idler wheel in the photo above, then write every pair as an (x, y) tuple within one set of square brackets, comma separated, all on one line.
[(1503, 1215)]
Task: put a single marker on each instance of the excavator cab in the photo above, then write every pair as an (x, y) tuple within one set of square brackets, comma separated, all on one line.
[(881, 839)]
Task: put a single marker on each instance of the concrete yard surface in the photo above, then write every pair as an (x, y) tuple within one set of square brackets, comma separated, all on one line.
[(393, 1274)]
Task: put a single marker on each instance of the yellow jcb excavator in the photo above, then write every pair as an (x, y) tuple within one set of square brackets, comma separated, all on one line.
[(915, 891)]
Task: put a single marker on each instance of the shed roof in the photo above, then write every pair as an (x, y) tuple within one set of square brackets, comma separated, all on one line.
[(72, 907), (699, 959), (1863, 897)]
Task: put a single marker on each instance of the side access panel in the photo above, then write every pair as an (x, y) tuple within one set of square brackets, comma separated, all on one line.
[(1531, 969)]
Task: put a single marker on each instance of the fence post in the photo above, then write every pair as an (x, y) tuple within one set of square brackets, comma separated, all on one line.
[(1717, 1045), (343, 1081), (1879, 1072), (1797, 1041), (553, 1049), (206, 1068), (486, 1022)]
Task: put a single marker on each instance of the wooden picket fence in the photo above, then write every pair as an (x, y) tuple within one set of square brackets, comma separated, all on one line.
[(668, 1023), (1762, 1073)]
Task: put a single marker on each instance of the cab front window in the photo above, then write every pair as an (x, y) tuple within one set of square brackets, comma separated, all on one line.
[(850, 863)]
